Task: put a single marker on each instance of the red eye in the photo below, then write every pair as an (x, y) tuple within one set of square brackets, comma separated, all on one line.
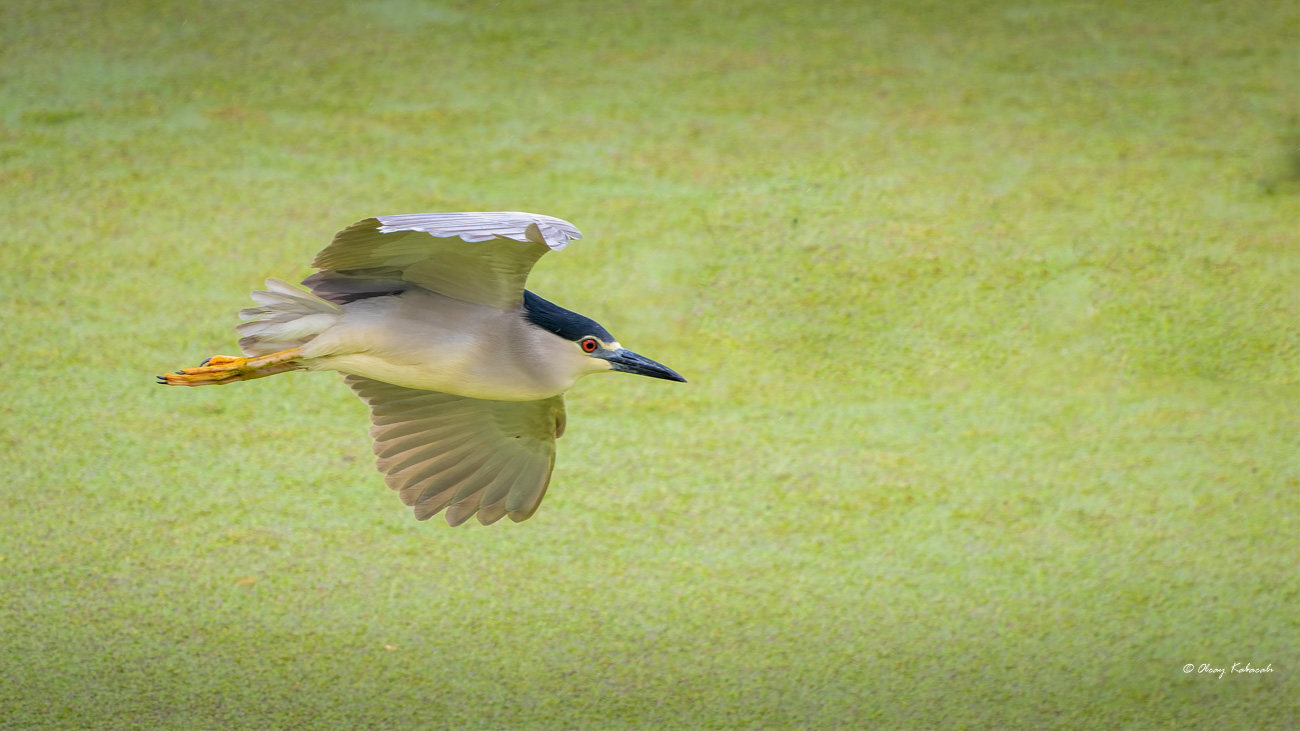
[(589, 345)]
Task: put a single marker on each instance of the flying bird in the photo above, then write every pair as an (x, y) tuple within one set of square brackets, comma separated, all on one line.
[(464, 370)]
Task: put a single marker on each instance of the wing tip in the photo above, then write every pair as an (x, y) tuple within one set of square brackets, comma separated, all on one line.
[(475, 226)]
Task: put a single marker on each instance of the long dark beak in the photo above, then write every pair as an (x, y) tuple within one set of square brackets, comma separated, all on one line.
[(628, 362)]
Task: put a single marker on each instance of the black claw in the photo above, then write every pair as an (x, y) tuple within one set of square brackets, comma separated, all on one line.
[(205, 362), (180, 373)]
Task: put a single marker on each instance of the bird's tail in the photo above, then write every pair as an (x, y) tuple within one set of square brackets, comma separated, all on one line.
[(287, 318)]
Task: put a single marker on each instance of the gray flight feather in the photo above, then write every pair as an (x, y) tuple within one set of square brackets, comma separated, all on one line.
[(475, 257), (464, 455)]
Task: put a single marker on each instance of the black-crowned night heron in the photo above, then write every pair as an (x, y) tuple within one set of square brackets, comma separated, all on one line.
[(464, 370)]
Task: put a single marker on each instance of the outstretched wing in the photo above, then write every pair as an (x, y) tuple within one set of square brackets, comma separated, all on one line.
[(475, 257), (466, 455)]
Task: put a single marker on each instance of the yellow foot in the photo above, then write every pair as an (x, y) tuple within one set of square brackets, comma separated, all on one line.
[(222, 369)]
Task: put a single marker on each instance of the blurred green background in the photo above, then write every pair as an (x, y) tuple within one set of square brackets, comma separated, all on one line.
[(990, 313)]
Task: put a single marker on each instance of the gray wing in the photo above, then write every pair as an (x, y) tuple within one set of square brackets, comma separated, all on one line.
[(475, 257), (467, 455)]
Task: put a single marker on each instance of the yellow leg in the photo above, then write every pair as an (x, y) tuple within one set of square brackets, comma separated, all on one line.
[(222, 369)]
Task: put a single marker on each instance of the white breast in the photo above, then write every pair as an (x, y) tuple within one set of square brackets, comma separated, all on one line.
[(431, 342)]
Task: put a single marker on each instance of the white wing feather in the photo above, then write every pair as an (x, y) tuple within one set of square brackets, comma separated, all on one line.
[(464, 455)]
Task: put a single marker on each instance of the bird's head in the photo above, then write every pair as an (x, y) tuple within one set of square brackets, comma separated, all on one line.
[(592, 342)]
